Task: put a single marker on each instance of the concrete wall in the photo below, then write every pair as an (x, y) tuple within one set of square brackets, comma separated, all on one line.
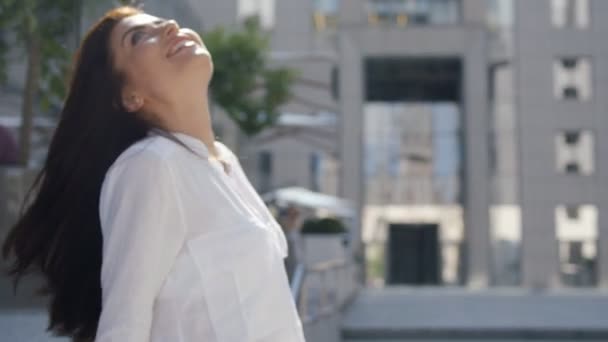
[(290, 163), (541, 116)]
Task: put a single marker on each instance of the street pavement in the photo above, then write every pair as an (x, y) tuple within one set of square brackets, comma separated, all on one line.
[(25, 325), (23, 317)]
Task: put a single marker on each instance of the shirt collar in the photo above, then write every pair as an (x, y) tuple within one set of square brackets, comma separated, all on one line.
[(193, 143)]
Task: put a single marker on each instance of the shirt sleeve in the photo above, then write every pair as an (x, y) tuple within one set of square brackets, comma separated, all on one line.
[(143, 230)]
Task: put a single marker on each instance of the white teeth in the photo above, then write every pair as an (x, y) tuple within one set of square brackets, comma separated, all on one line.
[(183, 43)]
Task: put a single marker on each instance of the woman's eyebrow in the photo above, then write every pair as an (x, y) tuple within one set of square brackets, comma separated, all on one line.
[(137, 27)]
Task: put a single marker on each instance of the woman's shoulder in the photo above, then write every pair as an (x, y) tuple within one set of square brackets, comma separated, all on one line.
[(152, 151)]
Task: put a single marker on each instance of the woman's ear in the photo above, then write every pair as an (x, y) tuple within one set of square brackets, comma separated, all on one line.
[(132, 102)]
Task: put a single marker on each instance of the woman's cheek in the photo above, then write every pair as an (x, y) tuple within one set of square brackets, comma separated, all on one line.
[(149, 56)]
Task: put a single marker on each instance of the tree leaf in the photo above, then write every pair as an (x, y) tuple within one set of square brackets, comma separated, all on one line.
[(243, 85)]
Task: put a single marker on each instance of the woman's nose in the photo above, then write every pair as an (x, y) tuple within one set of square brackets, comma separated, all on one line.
[(170, 27)]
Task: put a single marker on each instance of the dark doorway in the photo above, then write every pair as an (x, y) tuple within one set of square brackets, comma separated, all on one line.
[(413, 254)]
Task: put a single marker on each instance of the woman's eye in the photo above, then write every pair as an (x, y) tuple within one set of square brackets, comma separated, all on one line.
[(136, 37)]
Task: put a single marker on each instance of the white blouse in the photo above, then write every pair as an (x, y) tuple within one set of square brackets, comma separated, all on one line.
[(190, 251)]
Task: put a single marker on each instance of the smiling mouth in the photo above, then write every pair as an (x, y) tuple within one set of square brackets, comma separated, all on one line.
[(185, 43)]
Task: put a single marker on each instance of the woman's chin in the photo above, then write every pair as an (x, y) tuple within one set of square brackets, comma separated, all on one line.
[(201, 57), (201, 52), (204, 60), (192, 59)]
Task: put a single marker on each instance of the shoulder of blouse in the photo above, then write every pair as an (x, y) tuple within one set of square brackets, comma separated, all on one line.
[(152, 147)]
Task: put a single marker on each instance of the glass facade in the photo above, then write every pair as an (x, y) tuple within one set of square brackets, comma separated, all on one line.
[(413, 167), (265, 161), (412, 176), (325, 14), (414, 12), (413, 153), (393, 12)]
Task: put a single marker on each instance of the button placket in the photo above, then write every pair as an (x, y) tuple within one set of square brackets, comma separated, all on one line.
[(249, 194), (235, 187), (258, 205)]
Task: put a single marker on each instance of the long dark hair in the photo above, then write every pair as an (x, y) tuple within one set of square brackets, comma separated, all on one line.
[(58, 233)]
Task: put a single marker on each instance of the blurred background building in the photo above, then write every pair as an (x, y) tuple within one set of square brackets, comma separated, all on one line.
[(467, 133), (451, 125), (468, 130)]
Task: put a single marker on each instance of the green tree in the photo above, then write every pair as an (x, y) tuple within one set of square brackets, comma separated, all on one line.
[(243, 84), (38, 29)]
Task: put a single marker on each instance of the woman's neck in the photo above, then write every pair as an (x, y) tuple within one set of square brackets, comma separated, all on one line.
[(194, 119)]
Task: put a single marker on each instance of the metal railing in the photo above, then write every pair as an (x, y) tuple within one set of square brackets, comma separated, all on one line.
[(323, 289)]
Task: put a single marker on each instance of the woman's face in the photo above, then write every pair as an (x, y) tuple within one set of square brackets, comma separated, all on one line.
[(161, 62)]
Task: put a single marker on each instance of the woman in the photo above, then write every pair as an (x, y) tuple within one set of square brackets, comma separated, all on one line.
[(144, 227)]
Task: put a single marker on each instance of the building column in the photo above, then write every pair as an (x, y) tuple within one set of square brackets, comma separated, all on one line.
[(600, 73), (536, 150), (476, 188), (351, 97), (539, 254)]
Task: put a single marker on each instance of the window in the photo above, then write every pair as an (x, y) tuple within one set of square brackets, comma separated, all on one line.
[(264, 9), (570, 13), (265, 170), (499, 14), (315, 171), (335, 83), (569, 63), (413, 79), (413, 153), (417, 12), (572, 137), (572, 168), (325, 14), (570, 93), (572, 212), (505, 236), (574, 152), (577, 232), (572, 78)]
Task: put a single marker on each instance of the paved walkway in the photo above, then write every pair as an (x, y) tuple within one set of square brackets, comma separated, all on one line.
[(23, 317), (431, 315), (25, 325), (382, 314)]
